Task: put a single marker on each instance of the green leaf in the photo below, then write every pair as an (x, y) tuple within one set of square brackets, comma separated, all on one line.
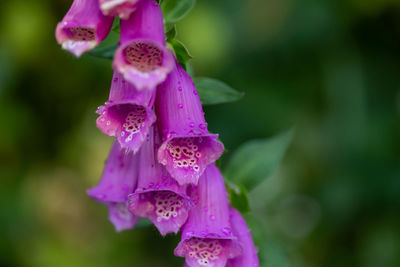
[(212, 91), (181, 53), (107, 48), (189, 69), (115, 26), (255, 160), (104, 52), (175, 10), (170, 31), (238, 197)]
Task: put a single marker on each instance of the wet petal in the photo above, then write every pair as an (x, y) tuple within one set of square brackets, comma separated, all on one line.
[(83, 27), (158, 197), (207, 238), (143, 57), (188, 148), (127, 114)]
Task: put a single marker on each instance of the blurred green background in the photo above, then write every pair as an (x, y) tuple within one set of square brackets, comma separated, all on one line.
[(331, 68)]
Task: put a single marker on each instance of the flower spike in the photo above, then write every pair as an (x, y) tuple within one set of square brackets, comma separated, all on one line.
[(207, 238), (119, 179), (120, 8), (158, 196), (249, 253), (127, 114), (83, 27), (187, 146), (142, 56)]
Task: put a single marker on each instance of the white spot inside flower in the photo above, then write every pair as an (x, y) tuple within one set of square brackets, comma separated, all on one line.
[(168, 205), (204, 250), (183, 153), (133, 122)]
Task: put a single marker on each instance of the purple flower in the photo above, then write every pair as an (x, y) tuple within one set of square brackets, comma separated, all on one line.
[(188, 147), (119, 179), (120, 8), (158, 197), (83, 27), (127, 114), (249, 253), (207, 238), (142, 57)]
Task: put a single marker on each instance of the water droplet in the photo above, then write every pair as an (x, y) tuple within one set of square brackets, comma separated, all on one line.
[(212, 217), (151, 184), (194, 92), (180, 106), (202, 126), (191, 125), (179, 88), (205, 209), (101, 196), (226, 230)]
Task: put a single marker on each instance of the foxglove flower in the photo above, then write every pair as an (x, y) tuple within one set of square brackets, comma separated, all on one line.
[(142, 56), (118, 181), (207, 238), (120, 8), (249, 253), (83, 27), (127, 114), (158, 196), (188, 147)]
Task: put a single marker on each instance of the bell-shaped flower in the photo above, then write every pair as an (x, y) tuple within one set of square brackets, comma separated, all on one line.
[(207, 237), (118, 8), (188, 148), (158, 197), (83, 27), (142, 56), (127, 114), (119, 179), (241, 231)]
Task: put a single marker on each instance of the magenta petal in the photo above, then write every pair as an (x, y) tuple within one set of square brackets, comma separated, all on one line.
[(143, 57), (188, 148), (207, 238), (158, 197), (120, 216), (119, 179), (127, 114), (249, 253), (83, 27), (119, 8)]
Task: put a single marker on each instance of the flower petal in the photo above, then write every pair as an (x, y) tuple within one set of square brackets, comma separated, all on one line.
[(143, 57), (120, 8), (83, 27), (119, 179), (158, 197), (188, 148), (207, 238), (127, 114), (249, 252)]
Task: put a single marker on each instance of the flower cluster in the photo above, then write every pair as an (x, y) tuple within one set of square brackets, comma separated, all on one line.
[(161, 165)]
